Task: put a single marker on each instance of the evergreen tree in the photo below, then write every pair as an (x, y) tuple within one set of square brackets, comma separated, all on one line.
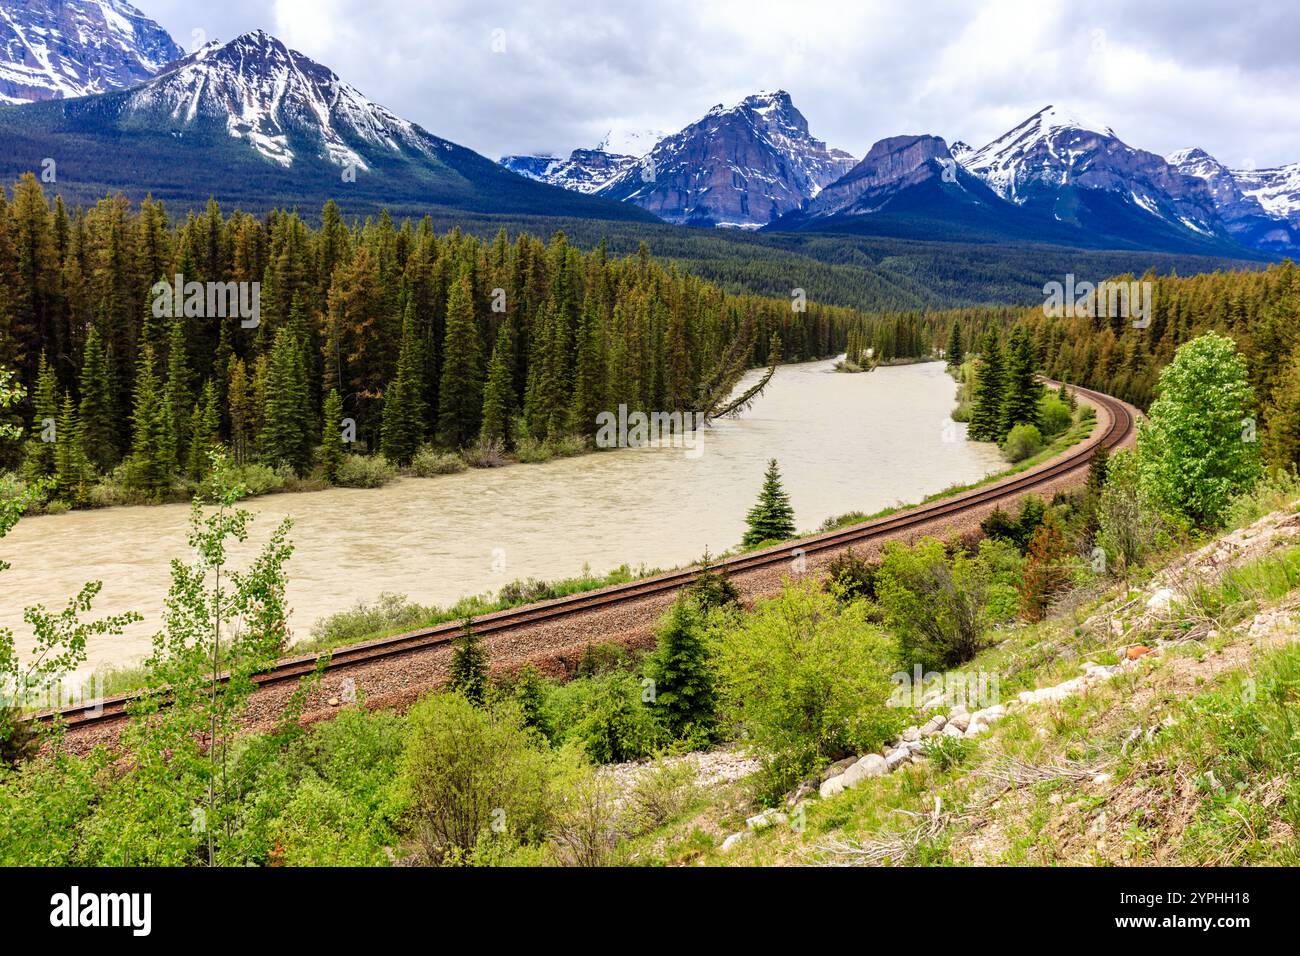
[(71, 468), (176, 395), (204, 432), (469, 665), (40, 454), (589, 376), (986, 416), (499, 391), (682, 671), (1023, 390), (331, 444), (287, 435), (956, 349), (772, 519), (152, 459), (460, 392), (97, 413), (403, 422)]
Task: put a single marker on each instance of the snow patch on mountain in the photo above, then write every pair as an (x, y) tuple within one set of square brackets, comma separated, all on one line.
[(263, 92), (58, 49)]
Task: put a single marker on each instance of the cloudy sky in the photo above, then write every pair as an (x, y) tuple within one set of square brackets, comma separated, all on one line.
[(504, 77)]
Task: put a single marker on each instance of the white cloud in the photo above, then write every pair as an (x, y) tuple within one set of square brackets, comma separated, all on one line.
[(560, 75)]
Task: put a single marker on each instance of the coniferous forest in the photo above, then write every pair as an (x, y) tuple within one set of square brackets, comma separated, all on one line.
[(373, 336)]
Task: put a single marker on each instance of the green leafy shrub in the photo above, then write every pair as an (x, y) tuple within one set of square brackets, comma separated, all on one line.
[(466, 768), (607, 715), (1023, 441), (365, 471), (429, 462), (1054, 415), (935, 604), (806, 681), (850, 577)]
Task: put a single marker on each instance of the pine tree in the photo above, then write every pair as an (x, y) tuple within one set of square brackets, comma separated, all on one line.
[(460, 392), (469, 664), (589, 376), (45, 424), (152, 459), (204, 432), (331, 444), (986, 416), (499, 391), (177, 396), (772, 519), (956, 349), (403, 422), (1023, 391), (682, 671), (97, 413), (71, 468), (287, 435)]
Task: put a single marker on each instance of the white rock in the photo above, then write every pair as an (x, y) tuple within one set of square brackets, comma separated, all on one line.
[(911, 734), (732, 840), (896, 758), (933, 725), (768, 818), (959, 720), (831, 787), (951, 731), (872, 765), (976, 728), (1161, 600)]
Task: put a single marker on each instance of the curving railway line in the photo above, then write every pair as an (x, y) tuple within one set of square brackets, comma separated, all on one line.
[(1116, 426)]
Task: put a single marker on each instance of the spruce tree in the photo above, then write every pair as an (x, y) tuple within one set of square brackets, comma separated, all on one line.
[(469, 664), (287, 434), (460, 390), (403, 422), (772, 519), (589, 376), (40, 453), (177, 395), (204, 432), (70, 466), (682, 671), (1023, 390), (956, 349), (97, 414), (331, 443), (986, 416), (152, 458), (499, 391)]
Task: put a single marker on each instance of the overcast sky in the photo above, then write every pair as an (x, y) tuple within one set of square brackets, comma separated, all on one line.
[(501, 76)]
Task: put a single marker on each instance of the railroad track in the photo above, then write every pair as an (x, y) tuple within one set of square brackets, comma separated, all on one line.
[(1121, 425)]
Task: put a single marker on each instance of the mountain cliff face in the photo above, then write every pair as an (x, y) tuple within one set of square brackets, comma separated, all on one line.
[(1240, 196), (585, 171), (55, 49), (1054, 160), (258, 124), (892, 166), (742, 166)]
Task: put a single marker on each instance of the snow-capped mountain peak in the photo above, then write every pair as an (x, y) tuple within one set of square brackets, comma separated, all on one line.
[(1277, 190), (743, 166), (266, 93), (1049, 145), (57, 49)]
